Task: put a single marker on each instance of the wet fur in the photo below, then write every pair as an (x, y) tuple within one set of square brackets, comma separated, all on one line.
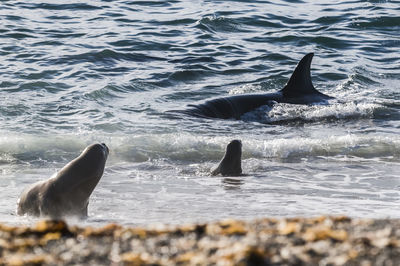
[(67, 193), (230, 164)]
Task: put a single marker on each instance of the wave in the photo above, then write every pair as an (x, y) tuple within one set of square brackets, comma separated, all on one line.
[(220, 24), (107, 56), (178, 148), (75, 6), (382, 22)]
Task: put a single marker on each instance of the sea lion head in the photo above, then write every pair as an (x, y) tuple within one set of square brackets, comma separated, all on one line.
[(89, 165), (234, 149), (230, 164)]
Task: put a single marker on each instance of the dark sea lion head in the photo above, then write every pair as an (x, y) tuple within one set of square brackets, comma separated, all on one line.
[(230, 164), (234, 149)]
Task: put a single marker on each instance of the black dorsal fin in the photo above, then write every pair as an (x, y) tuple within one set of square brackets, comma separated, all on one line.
[(300, 82)]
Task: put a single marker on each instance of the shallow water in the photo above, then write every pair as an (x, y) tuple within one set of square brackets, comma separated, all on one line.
[(75, 73)]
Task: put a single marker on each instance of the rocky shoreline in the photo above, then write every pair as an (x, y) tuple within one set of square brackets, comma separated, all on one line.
[(285, 241)]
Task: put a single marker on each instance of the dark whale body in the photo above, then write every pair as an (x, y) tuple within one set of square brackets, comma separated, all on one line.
[(298, 90)]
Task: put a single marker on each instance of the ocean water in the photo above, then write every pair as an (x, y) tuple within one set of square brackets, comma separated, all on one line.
[(78, 72)]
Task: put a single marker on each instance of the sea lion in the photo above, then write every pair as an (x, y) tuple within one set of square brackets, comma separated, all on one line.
[(298, 90), (67, 192), (230, 164)]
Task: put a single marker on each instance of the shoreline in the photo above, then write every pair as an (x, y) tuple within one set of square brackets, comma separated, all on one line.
[(321, 240)]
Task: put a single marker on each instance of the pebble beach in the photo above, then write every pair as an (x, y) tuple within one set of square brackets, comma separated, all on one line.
[(283, 241)]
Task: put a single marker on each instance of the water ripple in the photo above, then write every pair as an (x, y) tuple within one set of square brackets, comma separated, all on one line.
[(109, 70), (75, 6)]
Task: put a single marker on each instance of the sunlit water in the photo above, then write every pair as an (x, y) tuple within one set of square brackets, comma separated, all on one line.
[(75, 73)]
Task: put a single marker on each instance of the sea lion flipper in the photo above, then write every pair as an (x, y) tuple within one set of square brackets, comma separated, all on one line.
[(28, 203)]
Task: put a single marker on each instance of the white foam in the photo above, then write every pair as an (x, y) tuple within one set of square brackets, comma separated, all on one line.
[(186, 147), (246, 88), (289, 112), (347, 145)]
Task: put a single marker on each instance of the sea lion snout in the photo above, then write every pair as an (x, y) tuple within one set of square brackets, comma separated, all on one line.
[(106, 148)]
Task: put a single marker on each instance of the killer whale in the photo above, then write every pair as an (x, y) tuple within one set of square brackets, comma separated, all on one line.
[(298, 90)]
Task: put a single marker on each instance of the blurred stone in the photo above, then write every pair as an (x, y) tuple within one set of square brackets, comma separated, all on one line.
[(291, 241)]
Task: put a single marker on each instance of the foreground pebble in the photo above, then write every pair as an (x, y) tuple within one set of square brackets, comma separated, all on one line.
[(294, 241)]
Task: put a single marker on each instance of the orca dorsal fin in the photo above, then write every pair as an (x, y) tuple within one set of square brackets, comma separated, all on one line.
[(300, 82)]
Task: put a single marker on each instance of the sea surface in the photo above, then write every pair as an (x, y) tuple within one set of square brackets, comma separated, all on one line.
[(73, 73)]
